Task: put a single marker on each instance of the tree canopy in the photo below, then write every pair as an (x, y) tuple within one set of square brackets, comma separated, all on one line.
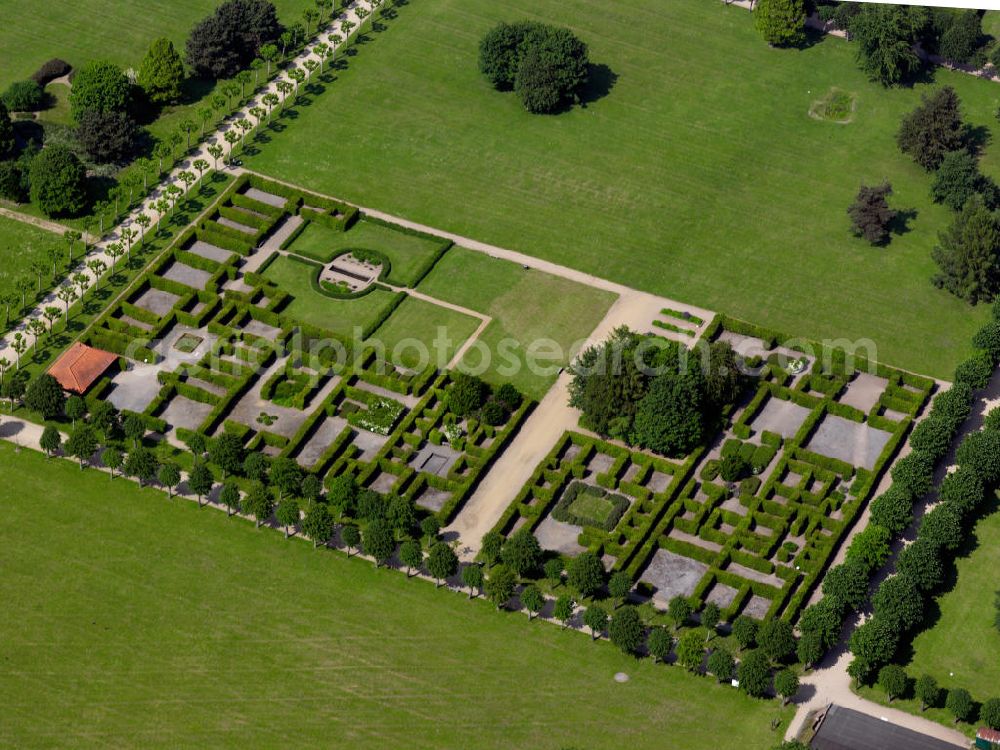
[(933, 129), (58, 182), (230, 39), (100, 86), (546, 65), (884, 36), (781, 22), (161, 72), (967, 254), (870, 214)]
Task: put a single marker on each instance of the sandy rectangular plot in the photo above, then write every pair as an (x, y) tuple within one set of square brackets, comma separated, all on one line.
[(227, 222), (184, 274), (864, 391), (558, 536), (211, 252), (853, 442), (269, 198), (672, 575), (782, 417), (183, 412), (325, 434), (157, 302)]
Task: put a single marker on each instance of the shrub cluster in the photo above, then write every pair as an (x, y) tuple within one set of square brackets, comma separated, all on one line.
[(545, 65)]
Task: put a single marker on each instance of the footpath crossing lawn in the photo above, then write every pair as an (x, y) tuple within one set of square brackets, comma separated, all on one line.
[(694, 171), (130, 620), (414, 326), (528, 308)]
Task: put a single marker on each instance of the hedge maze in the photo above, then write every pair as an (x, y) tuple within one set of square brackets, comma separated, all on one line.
[(217, 339), (750, 521)]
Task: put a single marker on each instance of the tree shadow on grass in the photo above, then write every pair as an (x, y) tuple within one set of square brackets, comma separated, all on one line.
[(812, 38), (600, 80), (977, 138), (900, 223)]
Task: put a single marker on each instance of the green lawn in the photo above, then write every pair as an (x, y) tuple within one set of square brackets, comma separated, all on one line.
[(309, 306), (21, 245), (700, 175), (406, 253), (960, 648), (964, 639), (131, 620), (410, 333), (527, 307), (90, 29), (593, 506)]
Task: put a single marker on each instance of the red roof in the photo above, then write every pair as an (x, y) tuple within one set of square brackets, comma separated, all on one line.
[(990, 735), (80, 366)]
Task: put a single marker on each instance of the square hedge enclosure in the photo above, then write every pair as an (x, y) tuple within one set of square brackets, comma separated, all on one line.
[(757, 544)]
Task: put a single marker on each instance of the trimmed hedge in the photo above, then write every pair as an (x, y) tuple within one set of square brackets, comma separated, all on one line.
[(562, 511)]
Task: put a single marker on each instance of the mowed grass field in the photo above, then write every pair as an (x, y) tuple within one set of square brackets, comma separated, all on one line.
[(531, 311), (130, 620), (22, 245), (410, 333), (696, 173), (964, 640), (86, 30)]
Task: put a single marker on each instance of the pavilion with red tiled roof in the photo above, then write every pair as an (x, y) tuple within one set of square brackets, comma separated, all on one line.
[(81, 366)]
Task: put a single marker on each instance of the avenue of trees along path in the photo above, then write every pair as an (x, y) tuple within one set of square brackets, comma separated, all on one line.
[(174, 186)]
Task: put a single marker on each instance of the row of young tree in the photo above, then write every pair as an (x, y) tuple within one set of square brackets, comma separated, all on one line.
[(391, 530), (241, 40), (896, 683), (900, 602), (515, 566)]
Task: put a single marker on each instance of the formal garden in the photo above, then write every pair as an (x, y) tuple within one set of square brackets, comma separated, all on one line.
[(212, 346), (712, 503), (747, 519)]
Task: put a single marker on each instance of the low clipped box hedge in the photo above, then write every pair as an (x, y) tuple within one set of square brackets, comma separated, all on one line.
[(563, 509)]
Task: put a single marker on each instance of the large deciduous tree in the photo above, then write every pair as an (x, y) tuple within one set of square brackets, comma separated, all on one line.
[(58, 182), (100, 86), (870, 214), (933, 129), (884, 38), (546, 65), (229, 39), (781, 22), (107, 136), (670, 417)]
